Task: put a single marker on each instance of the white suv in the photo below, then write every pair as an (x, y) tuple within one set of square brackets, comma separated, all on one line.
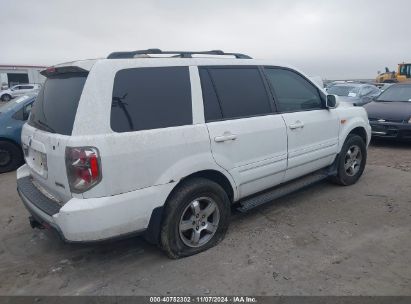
[(166, 146), (18, 90)]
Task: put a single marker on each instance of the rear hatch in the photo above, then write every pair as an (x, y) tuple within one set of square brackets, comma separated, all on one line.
[(45, 136)]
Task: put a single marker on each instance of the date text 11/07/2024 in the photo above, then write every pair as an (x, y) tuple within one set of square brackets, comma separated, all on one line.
[(204, 299)]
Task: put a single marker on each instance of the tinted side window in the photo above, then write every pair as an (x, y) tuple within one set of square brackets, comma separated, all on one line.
[(293, 92), (240, 92), (151, 98)]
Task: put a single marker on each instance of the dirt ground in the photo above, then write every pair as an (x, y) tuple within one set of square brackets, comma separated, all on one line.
[(325, 240)]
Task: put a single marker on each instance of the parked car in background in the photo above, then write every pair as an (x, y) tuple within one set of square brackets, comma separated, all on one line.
[(355, 93), (390, 113), (329, 84), (12, 117), (166, 146), (19, 90)]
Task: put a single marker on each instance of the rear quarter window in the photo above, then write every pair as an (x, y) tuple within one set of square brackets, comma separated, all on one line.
[(151, 98)]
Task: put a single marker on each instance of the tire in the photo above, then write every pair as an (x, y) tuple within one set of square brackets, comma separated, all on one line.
[(6, 97), (184, 220), (352, 160), (11, 156)]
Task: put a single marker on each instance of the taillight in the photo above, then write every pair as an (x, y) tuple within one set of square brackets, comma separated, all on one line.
[(83, 168)]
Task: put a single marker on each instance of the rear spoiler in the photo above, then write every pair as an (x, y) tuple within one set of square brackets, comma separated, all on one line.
[(52, 71)]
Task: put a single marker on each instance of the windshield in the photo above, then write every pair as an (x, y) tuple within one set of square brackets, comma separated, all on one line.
[(56, 105), (405, 70), (385, 86), (14, 103), (396, 93), (340, 90)]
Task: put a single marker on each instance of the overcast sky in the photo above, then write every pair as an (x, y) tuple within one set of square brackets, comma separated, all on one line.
[(328, 38)]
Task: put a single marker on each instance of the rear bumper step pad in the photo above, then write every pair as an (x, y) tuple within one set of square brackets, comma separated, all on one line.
[(26, 188)]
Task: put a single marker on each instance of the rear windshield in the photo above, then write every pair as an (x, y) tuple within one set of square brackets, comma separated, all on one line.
[(56, 105)]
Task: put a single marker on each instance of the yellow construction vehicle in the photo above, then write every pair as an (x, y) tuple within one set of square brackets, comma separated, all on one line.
[(402, 75)]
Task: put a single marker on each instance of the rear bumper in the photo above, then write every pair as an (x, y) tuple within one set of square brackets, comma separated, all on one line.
[(38, 214), (389, 130), (93, 219)]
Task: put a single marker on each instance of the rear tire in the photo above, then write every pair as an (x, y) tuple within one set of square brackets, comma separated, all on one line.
[(352, 160), (11, 156), (196, 218), (6, 97)]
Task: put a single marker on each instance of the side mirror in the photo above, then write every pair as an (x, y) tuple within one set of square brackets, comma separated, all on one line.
[(331, 102)]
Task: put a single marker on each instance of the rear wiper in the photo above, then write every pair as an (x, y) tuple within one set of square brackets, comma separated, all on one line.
[(43, 124)]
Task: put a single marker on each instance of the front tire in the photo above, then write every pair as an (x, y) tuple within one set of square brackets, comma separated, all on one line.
[(196, 218), (11, 156), (6, 97), (352, 160)]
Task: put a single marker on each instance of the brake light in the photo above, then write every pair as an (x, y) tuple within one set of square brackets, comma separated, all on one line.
[(83, 168), (51, 70)]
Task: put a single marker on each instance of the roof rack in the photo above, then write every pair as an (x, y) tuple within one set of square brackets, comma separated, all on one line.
[(180, 54)]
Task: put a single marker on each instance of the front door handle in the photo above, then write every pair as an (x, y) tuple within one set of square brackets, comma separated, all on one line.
[(297, 125), (225, 137)]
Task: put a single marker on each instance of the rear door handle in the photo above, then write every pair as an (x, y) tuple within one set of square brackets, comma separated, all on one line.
[(297, 125), (225, 137)]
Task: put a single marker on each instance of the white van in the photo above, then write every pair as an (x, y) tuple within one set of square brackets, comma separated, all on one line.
[(167, 146)]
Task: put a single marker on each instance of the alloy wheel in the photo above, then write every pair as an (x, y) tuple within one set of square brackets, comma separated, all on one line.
[(353, 159), (199, 222)]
